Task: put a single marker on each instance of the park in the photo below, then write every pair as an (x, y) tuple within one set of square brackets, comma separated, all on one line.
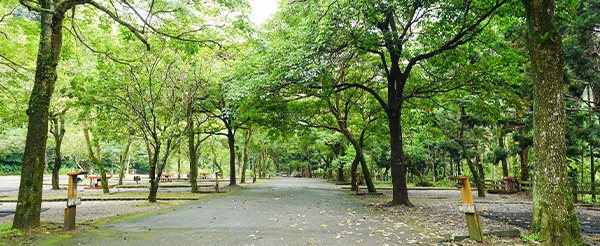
[(457, 121)]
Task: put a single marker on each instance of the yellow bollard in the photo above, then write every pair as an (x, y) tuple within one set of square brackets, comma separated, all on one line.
[(72, 200), (468, 207)]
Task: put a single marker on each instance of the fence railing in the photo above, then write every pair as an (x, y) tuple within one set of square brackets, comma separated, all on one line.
[(578, 188)]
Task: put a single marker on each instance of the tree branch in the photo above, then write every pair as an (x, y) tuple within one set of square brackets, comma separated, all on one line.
[(30, 7), (131, 28), (363, 87)]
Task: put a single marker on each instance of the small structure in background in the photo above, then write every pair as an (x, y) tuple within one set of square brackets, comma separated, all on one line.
[(72, 200), (510, 184)]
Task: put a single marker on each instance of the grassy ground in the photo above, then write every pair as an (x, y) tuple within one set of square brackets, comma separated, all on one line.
[(54, 231)]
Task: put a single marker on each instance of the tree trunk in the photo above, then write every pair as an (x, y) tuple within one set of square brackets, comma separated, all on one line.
[(340, 176), (363, 165), (58, 131), (231, 142), (397, 161), (592, 174), (123, 158), (95, 158), (501, 146), (523, 156), (152, 196), (154, 179), (56, 168), (329, 171), (461, 143), (27, 214), (554, 218), (239, 161), (473, 169), (359, 156), (354, 174), (479, 164), (452, 166), (192, 148), (216, 163), (179, 163), (247, 138)]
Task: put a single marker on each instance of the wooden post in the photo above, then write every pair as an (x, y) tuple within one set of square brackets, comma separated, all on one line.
[(468, 207), (72, 201)]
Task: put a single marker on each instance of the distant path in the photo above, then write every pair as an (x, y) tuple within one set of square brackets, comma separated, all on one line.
[(280, 211)]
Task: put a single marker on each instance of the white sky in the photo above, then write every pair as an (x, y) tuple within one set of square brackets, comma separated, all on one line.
[(262, 10)]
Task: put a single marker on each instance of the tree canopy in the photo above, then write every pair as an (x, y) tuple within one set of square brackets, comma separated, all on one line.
[(352, 88)]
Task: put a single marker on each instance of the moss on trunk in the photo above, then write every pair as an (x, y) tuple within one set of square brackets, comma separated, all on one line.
[(554, 218), (27, 214)]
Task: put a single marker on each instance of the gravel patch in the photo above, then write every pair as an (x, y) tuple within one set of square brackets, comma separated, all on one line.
[(437, 212)]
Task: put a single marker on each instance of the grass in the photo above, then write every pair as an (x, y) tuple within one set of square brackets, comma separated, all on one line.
[(6, 231), (10, 236), (529, 237)]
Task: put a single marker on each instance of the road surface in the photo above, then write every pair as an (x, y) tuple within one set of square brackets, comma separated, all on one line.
[(280, 211)]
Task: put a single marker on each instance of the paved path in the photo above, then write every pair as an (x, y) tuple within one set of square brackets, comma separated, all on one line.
[(281, 211)]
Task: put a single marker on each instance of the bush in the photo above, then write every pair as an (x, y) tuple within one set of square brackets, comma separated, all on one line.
[(424, 183)]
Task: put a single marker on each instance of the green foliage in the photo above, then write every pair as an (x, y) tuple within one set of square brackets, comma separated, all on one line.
[(499, 154), (6, 231), (11, 163), (530, 237)]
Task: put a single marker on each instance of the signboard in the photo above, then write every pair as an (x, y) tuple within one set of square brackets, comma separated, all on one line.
[(73, 201), (467, 208)]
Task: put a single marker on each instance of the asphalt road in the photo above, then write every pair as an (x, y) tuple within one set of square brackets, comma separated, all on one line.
[(280, 211)]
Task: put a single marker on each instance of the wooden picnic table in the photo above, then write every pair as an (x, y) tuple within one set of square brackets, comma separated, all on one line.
[(166, 177), (95, 179)]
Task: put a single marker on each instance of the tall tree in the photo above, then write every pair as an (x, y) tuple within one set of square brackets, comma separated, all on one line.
[(219, 106), (123, 159), (153, 102), (554, 217), (247, 138), (52, 14), (95, 156), (403, 35)]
